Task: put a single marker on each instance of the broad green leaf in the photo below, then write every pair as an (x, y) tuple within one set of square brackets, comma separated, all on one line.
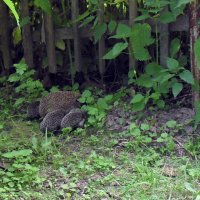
[(167, 17), (87, 21), (187, 76), (138, 106), (145, 127), (172, 63), (45, 5), (145, 81), (140, 39), (17, 36), (166, 78), (13, 78), (171, 124), (95, 2), (87, 93), (183, 2), (89, 99), (197, 52), (142, 17), (99, 30), (177, 88), (153, 69), (108, 98), (137, 98), (15, 154), (116, 50), (175, 47), (60, 44), (123, 30), (82, 16), (112, 25), (155, 95), (160, 103), (164, 135), (102, 104)]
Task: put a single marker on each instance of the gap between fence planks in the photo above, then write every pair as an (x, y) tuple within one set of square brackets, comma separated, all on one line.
[(101, 44)]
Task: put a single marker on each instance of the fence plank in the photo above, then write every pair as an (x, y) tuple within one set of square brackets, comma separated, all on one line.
[(77, 41), (50, 42), (5, 37), (132, 15), (182, 24), (164, 42), (26, 35), (101, 44)]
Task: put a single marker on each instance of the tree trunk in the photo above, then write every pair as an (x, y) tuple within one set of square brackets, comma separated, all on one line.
[(5, 37), (194, 34)]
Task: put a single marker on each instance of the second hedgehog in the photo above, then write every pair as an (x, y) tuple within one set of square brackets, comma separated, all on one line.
[(75, 118)]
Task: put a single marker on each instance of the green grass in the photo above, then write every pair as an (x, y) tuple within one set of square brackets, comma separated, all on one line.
[(93, 165)]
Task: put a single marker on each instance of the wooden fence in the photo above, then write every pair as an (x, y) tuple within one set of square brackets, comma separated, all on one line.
[(75, 33)]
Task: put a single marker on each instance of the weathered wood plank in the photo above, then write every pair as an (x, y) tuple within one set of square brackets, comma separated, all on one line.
[(164, 42), (76, 36), (26, 35), (50, 42), (132, 15), (5, 37), (182, 24)]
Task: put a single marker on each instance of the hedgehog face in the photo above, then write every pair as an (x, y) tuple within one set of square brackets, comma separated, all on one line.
[(33, 110), (52, 121)]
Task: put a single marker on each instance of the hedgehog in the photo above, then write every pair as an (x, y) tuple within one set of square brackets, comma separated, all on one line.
[(62, 100), (52, 121), (33, 110), (75, 118)]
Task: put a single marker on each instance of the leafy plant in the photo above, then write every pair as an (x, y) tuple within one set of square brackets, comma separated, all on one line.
[(166, 139), (100, 162), (27, 87), (160, 81), (96, 108), (20, 172)]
